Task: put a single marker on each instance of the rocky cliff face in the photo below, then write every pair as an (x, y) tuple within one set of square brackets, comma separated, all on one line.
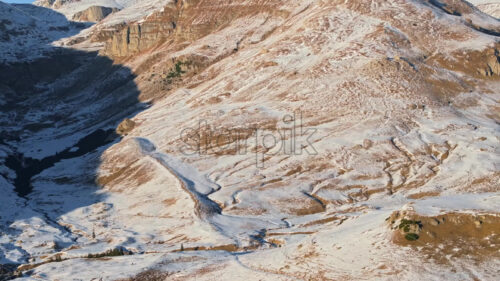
[(184, 21), (94, 14)]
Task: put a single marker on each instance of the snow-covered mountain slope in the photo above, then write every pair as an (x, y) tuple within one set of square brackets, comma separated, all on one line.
[(134, 9), (26, 31), (264, 140), (124, 11), (491, 7)]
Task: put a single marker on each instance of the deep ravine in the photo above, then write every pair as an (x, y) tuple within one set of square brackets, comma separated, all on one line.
[(26, 168)]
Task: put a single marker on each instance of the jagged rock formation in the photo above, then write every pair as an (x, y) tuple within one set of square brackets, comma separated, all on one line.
[(94, 13)]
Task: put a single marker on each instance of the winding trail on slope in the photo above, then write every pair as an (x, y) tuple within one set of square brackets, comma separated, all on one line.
[(199, 188), (190, 180)]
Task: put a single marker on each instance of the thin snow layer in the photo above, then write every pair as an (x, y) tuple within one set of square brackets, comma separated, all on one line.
[(478, 2), (9, 253), (484, 202), (25, 230), (380, 142), (28, 31), (131, 10), (490, 7), (134, 10)]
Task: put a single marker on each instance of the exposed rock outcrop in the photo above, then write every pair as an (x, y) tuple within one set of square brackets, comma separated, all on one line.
[(125, 127), (106, 33), (94, 13), (183, 21), (469, 13), (50, 3), (475, 233), (493, 64), (484, 63)]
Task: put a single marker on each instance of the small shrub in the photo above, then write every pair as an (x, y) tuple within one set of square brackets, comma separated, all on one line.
[(405, 224), (150, 275), (110, 253), (412, 236), (177, 71)]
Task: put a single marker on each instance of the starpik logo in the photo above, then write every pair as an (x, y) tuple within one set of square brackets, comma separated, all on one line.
[(288, 137)]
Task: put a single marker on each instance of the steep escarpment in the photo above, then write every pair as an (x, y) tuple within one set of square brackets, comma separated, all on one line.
[(184, 21), (94, 13)]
